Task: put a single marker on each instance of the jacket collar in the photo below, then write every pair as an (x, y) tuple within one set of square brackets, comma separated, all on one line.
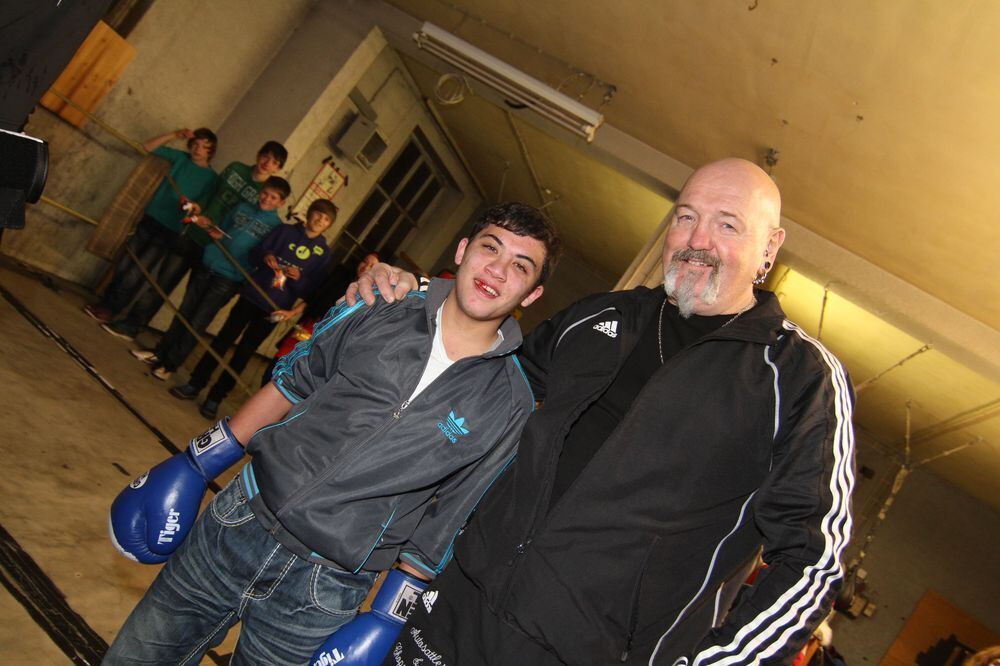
[(436, 294), (761, 323)]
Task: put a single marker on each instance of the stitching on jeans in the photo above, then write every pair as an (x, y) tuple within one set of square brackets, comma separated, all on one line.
[(246, 592), (222, 517), (314, 578), (277, 582), (200, 647)]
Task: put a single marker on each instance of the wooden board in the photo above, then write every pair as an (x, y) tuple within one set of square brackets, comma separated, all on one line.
[(93, 71), (126, 208), (934, 620)]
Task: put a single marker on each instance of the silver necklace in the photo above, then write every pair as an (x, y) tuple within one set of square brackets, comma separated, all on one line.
[(659, 324)]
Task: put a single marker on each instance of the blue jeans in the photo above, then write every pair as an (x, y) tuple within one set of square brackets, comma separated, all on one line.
[(231, 570), (150, 243), (206, 294)]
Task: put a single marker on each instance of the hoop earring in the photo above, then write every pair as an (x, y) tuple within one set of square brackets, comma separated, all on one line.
[(762, 275)]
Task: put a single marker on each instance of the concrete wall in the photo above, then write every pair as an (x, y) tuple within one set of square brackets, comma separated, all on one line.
[(194, 62), (934, 537)]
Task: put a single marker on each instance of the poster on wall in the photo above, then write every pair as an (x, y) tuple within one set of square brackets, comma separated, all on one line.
[(327, 182)]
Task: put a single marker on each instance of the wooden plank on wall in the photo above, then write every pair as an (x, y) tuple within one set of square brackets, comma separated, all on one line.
[(93, 71)]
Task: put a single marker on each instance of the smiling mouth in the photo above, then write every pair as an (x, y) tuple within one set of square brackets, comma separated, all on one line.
[(485, 288), (696, 258)]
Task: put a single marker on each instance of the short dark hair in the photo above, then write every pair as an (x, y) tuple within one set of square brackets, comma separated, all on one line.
[(524, 220), (278, 184), (324, 206), (275, 150), (208, 135)]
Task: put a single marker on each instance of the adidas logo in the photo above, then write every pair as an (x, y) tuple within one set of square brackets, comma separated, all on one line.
[(429, 598), (453, 427), (608, 328)]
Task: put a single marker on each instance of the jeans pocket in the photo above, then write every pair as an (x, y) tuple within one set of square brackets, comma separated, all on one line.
[(338, 592), (231, 507)]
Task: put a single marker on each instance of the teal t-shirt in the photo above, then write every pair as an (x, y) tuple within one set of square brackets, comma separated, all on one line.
[(247, 225), (196, 182)]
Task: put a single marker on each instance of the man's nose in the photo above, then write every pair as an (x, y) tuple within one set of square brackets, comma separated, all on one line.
[(700, 238), (497, 268)]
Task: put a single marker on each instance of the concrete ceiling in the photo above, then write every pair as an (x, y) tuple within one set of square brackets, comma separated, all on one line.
[(884, 116)]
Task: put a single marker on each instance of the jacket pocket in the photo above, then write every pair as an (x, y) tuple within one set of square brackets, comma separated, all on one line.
[(633, 615)]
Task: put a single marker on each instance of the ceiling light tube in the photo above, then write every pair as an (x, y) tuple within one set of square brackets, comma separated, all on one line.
[(512, 83)]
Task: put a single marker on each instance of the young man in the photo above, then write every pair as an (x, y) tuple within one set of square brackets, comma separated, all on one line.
[(237, 182), (290, 262), (359, 458), (684, 431), (216, 281), (158, 238)]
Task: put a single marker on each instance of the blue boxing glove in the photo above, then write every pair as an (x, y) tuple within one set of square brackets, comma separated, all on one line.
[(365, 640), (153, 515)]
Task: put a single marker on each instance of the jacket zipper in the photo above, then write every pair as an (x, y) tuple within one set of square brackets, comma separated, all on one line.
[(515, 561), (633, 617), (294, 499)]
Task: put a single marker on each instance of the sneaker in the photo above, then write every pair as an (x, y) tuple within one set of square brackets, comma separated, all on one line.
[(209, 409), (185, 392), (146, 356), (95, 311), (162, 373), (118, 332)]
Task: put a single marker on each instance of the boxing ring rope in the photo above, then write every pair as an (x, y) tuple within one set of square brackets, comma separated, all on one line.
[(201, 341)]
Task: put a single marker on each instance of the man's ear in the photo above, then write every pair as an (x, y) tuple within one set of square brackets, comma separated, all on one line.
[(533, 296), (774, 241), (460, 252)]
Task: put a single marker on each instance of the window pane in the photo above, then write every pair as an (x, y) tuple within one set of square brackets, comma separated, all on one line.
[(396, 238), (409, 191), (394, 174), (365, 213), (382, 227), (425, 199)]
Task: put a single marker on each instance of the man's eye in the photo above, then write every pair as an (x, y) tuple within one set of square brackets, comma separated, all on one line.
[(489, 247), (521, 267)]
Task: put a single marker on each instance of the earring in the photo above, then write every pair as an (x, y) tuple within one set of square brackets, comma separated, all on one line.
[(762, 274)]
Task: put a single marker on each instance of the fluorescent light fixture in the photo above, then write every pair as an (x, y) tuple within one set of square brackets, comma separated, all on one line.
[(512, 83)]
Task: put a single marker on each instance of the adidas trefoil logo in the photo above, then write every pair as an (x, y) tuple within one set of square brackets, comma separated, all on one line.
[(453, 427), (608, 328), (429, 597)]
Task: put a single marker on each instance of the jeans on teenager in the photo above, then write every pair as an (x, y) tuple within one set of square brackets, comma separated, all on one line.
[(253, 323), (206, 294), (150, 242), (181, 256), (231, 570)]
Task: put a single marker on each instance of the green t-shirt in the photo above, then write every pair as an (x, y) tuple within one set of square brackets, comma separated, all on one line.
[(196, 182), (236, 184)]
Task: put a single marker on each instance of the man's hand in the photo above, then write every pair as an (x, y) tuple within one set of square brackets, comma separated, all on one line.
[(183, 133), (282, 315), (215, 233), (392, 283), (292, 272), (271, 262)]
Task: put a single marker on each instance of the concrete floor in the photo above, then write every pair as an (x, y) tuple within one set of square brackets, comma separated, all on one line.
[(68, 447)]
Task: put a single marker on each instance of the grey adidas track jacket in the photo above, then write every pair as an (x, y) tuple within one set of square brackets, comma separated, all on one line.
[(356, 475)]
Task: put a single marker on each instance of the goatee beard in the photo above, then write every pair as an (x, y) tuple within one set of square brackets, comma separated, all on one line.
[(684, 291)]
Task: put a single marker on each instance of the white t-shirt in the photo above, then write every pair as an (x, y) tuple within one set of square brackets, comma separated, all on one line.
[(439, 361)]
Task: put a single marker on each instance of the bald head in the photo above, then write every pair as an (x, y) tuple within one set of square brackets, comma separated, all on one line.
[(748, 178), (724, 233)]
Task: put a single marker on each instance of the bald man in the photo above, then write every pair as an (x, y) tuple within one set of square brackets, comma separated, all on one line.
[(685, 433)]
